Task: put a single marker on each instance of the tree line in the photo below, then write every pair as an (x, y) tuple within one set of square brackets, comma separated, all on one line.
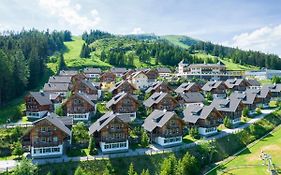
[(23, 57), (239, 56)]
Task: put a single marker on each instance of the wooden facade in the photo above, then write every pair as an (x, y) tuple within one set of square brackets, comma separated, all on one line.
[(77, 105), (82, 87), (152, 74), (168, 103), (108, 77), (32, 105), (126, 105), (125, 86)]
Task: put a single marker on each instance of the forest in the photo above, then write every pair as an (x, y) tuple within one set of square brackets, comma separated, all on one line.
[(23, 58)]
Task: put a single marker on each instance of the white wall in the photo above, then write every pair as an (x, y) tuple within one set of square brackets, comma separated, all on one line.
[(118, 148), (39, 114), (37, 152), (140, 81), (77, 117), (205, 132), (161, 140)]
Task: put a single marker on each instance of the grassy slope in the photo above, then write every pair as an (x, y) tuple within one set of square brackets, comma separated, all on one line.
[(270, 145), (174, 39)]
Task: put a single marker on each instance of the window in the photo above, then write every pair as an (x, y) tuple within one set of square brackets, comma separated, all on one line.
[(55, 139)]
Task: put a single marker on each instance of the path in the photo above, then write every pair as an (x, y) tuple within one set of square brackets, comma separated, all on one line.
[(154, 149)]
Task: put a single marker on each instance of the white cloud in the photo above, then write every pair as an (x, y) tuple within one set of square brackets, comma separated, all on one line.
[(266, 39), (94, 13), (137, 30), (70, 14)]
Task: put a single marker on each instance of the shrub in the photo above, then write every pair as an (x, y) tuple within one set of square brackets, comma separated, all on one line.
[(194, 133), (227, 122)]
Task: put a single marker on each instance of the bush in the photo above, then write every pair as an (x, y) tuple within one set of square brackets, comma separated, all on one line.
[(227, 122), (258, 111), (194, 133), (245, 112)]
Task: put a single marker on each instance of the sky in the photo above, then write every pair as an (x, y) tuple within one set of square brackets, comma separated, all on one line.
[(247, 24)]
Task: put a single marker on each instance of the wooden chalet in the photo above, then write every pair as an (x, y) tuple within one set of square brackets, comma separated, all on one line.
[(161, 101), (159, 86), (123, 86)]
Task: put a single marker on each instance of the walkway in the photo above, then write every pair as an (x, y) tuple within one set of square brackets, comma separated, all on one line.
[(4, 164)]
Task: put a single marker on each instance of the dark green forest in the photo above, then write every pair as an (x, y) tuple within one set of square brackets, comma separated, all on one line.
[(23, 58)]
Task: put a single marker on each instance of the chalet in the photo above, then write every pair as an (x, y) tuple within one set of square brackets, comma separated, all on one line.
[(237, 84), (38, 104), (78, 78), (110, 133), (57, 88), (107, 80), (206, 118), (124, 104), (249, 100), (216, 88), (161, 101), (87, 87), (274, 89), (188, 87), (123, 86), (80, 106), (190, 98), (231, 107), (263, 96), (60, 79), (152, 75), (164, 72), (139, 80), (92, 73), (68, 73), (119, 72), (253, 84), (164, 127), (128, 74), (49, 137), (159, 86)]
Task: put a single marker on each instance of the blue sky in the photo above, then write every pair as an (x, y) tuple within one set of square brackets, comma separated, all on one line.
[(248, 24)]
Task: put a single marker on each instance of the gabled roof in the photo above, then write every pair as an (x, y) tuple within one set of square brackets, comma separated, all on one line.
[(184, 87), (226, 105), (121, 83), (90, 70), (253, 82), (133, 75), (119, 97), (103, 121), (194, 112), (247, 98), (59, 79), (230, 83), (273, 87), (43, 98), (56, 121), (56, 87), (155, 98), (192, 97), (210, 85), (261, 93), (157, 118), (155, 85), (88, 98), (89, 84), (118, 70), (68, 72), (163, 70)]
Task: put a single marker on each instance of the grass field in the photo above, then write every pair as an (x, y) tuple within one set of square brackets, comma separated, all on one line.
[(174, 39), (270, 145)]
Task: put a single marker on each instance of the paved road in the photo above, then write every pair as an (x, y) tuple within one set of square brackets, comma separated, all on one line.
[(154, 149)]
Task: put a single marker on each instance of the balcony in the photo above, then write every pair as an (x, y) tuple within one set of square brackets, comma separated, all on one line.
[(46, 144)]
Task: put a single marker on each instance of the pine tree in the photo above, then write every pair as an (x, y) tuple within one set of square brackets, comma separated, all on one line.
[(144, 139), (61, 63), (17, 149), (188, 165), (131, 170), (25, 167)]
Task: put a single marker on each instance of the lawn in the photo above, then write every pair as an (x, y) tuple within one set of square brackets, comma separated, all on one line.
[(250, 157), (233, 66), (174, 39)]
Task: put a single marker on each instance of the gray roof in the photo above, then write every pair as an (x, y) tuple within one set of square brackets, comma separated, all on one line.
[(59, 79), (273, 87), (194, 112), (230, 83), (226, 105), (68, 72), (118, 70), (102, 122), (211, 85), (163, 70), (184, 87), (56, 87), (157, 118), (154, 86), (117, 98), (261, 93), (247, 98), (253, 82), (87, 98), (90, 70), (55, 120), (120, 83), (68, 121), (89, 84), (155, 98), (43, 98), (192, 97), (134, 74)]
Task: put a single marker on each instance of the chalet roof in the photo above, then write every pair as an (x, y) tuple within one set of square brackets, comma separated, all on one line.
[(194, 112), (163, 70), (102, 122), (117, 98), (68, 72), (53, 96), (230, 83), (59, 79), (261, 93), (87, 98), (55, 120), (89, 84), (56, 87), (90, 70), (154, 86), (192, 97), (210, 85), (118, 70), (226, 105), (121, 83), (273, 87), (155, 98), (247, 98), (253, 82), (184, 87), (134, 74), (158, 118), (43, 98), (67, 121)]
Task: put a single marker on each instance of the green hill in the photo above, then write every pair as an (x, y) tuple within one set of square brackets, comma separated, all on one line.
[(180, 40)]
